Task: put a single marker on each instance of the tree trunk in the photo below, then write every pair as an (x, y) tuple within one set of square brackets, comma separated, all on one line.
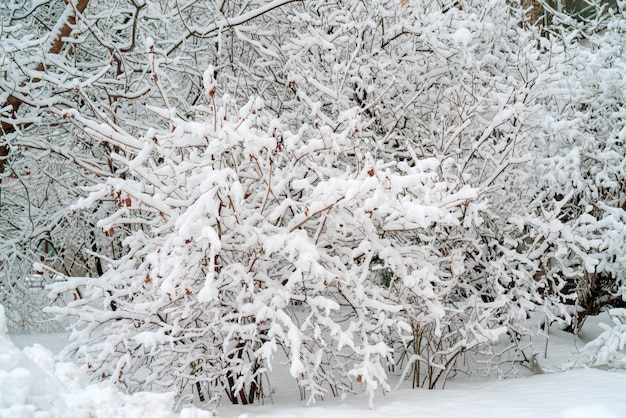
[(534, 12), (16, 102)]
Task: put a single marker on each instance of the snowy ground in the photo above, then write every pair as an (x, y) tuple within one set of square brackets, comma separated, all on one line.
[(33, 384), (578, 393)]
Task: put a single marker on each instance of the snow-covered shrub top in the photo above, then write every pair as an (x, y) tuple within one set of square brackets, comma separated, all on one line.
[(244, 237)]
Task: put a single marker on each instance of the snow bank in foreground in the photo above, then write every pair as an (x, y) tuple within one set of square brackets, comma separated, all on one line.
[(33, 385)]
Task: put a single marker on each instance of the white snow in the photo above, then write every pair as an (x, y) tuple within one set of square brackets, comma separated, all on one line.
[(586, 393), (462, 36)]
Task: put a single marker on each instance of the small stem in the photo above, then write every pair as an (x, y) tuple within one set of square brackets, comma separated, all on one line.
[(317, 212)]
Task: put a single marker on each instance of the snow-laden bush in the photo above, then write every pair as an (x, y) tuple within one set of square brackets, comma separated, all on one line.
[(244, 238), (385, 208), (491, 100), (609, 348), (577, 219), (519, 117), (409, 181), (429, 90)]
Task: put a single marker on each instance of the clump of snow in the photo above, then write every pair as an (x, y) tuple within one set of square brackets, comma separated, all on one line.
[(41, 356), (26, 388), (462, 36), (210, 85), (149, 44), (3, 322)]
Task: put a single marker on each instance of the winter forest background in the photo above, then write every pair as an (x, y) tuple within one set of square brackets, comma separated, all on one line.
[(203, 191)]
